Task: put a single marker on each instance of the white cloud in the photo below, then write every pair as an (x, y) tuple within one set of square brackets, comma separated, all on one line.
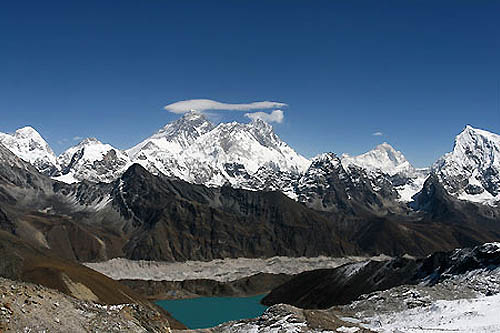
[(62, 141), (77, 138), (276, 116), (378, 134), (207, 104)]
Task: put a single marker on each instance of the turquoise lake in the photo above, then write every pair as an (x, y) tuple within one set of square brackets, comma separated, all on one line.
[(207, 312)]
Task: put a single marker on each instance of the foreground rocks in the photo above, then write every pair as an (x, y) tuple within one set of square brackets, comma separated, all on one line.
[(26, 307), (287, 318)]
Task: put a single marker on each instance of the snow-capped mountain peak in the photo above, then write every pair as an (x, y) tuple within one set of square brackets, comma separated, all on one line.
[(382, 158), (92, 160), (28, 131), (28, 144), (472, 170), (252, 145), (193, 149), (175, 136), (478, 148), (188, 128), (384, 163)]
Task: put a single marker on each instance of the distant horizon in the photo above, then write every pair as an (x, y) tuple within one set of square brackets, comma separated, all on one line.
[(77, 140), (338, 76)]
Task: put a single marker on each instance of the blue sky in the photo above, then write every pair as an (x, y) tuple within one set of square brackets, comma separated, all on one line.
[(416, 71)]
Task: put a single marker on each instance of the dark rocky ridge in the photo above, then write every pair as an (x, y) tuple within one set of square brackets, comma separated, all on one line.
[(201, 223), (249, 286), (328, 287)]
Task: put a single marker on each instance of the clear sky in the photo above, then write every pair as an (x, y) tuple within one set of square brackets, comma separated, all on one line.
[(416, 71)]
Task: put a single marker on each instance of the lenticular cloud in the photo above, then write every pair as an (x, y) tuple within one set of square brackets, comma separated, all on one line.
[(207, 104)]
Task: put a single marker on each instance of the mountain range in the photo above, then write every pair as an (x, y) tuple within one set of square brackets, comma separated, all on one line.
[(251, 156), (237, 190)]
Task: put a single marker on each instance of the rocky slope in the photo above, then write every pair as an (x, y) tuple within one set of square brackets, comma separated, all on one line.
[(27, 307), (22, 261), (463, 296), (329, 287)]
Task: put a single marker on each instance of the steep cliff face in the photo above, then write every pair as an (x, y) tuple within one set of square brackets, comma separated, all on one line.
[(471, 172)]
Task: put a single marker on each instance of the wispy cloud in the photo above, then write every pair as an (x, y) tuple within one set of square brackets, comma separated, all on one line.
[(62, 141), (77, 138), (208, 104), (276, 116), (378, 134)]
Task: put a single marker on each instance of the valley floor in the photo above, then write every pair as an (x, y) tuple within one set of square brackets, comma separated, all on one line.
[(222, 270)]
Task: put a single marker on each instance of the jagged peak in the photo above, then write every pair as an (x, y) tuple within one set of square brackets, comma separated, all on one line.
[(328, 156), (259, 129), (89, 141), (193, 115), (28, 130), (477, 144), (385, 147), (257, 122), (91, 148), (382, 158), (27, 144), (471, 133), (191, 123), (325, 158), (470, 171), (135, 170)]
